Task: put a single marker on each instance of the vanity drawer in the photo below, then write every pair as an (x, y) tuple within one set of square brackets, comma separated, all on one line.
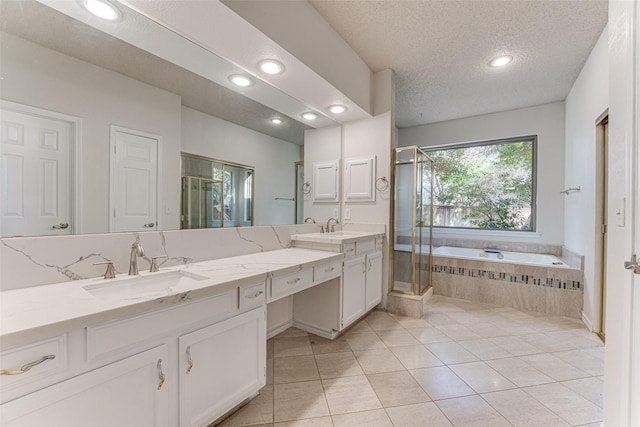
[(349, 249), (142, 330), (251, 296), (291, 283), (324, 272), (365, 246), (46, 358)]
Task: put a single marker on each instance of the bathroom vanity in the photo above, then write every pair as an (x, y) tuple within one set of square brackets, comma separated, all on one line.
[(182, 346)]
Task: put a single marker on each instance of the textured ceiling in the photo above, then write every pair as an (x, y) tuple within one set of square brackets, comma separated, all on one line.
[(42, 25), (440, 50)]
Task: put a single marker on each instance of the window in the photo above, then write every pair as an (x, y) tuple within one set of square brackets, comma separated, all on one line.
[(487, 185)]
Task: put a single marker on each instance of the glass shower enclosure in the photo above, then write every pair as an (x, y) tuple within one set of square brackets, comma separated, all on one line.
[(412, 219)]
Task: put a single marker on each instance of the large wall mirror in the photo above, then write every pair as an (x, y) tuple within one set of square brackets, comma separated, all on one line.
[(89, 107)]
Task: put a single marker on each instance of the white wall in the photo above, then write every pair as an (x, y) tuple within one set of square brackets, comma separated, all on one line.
[(43, 78), (546, 121), (588, 99), (320, 145), (272, 158)]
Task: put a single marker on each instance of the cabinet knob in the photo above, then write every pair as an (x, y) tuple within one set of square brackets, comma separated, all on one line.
[(294, 281)]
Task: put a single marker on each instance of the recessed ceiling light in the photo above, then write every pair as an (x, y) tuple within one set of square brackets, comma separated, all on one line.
[(309, 116), (102, 9), (240, 80), (501, 61), (337, 109), (276, 121), (271, 66)]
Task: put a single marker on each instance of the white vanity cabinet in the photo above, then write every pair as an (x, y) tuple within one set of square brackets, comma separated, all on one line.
[(353, 290), (373, 280), (220, 366), (130, 392)]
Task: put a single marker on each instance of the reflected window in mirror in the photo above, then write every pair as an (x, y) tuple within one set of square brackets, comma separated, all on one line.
[(215, 193)]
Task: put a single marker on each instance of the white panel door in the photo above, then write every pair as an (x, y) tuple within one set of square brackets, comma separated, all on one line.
[(36, 177), (134, 180)]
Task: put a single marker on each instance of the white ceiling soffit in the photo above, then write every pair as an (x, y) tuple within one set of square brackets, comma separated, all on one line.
[(440, 50), (217, 28), (149, 35), (47, 27)]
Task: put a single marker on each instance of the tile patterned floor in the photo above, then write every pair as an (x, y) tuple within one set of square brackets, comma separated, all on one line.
[(462, 364)]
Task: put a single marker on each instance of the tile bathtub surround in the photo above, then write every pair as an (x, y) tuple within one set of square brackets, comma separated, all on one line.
[(33, 261), (534, 248), (463, 364)]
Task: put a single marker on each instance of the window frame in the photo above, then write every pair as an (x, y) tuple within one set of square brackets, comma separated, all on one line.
[(534, 178)]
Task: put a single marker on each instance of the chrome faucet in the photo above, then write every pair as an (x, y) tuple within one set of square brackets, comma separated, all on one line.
[(136, 251), (332, 227), (313, 221)]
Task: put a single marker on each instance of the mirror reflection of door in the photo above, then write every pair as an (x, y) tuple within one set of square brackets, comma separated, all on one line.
[(133, 183), (298, 195), (36, 171)]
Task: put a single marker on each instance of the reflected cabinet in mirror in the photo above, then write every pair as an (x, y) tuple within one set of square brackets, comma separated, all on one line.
[(93, 128)]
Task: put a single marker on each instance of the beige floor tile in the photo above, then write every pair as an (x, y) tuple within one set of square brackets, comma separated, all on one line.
[(420, 415), (481, 377), (294, 369), (258, 411), (553, 367), (361, 326), (590, 388), (416, 356), (519, 372), (269, 372), (458, 332), (441, 383), (321, 345), (335, 365), (451, 352), (375, 418), (572, 407), (522, 410), (383, 323), (293, 332), (364, 341), (350, 394), (397, 389), (378, 360), (397, 337), (517, 346), (410, 322), (291, 346), (439, 319), (311, 422), (297, 401), (471, 411), (429, 335), (270, 348), (484, 349), (582, 360)]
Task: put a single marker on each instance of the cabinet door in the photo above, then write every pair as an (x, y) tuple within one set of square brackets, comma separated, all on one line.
[(359, 179), (373, 287), (352, 290), (125, 393), (325, 181), (220, 366)]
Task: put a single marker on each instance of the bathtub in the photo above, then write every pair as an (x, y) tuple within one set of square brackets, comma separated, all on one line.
[(542, 260)]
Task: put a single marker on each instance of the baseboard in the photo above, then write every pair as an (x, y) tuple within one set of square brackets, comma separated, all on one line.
[(279, 328), (587, 322), (316, 331)]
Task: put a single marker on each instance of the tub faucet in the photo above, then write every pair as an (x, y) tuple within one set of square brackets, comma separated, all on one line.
[(332, 227), (136, 251)]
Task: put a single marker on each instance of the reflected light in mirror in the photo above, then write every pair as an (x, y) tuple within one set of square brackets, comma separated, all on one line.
[(102, 9), (276, 121), (309, 116), (239, 80)]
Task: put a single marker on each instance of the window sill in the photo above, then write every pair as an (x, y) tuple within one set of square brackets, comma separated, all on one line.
[(470, 233)]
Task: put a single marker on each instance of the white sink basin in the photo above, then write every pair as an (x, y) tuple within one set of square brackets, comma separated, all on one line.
[(152, 285)]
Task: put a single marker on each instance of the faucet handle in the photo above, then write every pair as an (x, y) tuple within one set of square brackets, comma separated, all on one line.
[(322, 229), (110, 272), (154, 264)]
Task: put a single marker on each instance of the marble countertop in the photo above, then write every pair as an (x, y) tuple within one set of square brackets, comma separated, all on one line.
[(338, 237), (31, 314)]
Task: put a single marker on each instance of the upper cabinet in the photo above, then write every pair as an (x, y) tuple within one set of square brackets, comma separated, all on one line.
[(360, 179), (325, 181)]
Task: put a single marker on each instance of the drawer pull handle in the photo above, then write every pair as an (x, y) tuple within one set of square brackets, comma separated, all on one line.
[(189, 360), (350, 250), (294, 281), (161, 376), (28, 366), (329, 270), (254, 296)]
